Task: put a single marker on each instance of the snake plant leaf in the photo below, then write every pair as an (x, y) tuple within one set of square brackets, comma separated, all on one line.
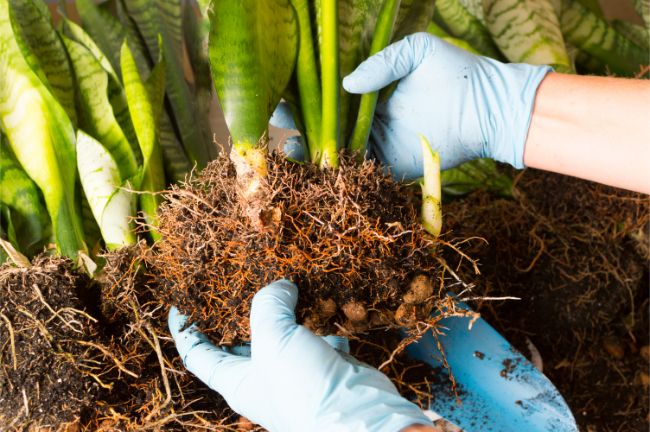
[(357, 20), (74, 32), (643, 8), (307, 86), (381, 37), (114, 86), (474, 175), (436, 30), (171, 12), (253, 48), (594, 7), (111, 202), (463, 25), (414, 16), (597, 38), (633, 32), (145, 105), (431, 190), (23, 199), (33, 23), (152, 19), (528, 31), (474, 7), (104, 29), (196, 30), (41, 136), (96, 111)]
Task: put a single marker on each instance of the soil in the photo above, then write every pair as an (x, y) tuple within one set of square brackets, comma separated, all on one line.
[(349, 238), (576, 253), (46, 353)]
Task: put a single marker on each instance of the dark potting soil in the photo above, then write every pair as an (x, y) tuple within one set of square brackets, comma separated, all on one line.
[(576, 253), (46, 351)]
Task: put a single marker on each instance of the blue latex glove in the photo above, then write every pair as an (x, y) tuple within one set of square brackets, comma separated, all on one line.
[(467, 106), (294, 380)]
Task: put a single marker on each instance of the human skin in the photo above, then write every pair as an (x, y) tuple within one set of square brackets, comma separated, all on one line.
[(594, 128)]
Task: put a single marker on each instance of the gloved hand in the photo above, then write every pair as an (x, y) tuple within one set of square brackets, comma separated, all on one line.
[(294, 380), (467, 106)]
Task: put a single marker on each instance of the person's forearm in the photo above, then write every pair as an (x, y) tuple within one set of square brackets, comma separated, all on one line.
[(593, 128)]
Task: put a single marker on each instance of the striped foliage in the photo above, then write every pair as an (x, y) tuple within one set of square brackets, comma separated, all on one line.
[(145, 102), (462, 24), (96, 112), (33, 25), (597, 38), (152, 18), (21, 197), (41, 136), (357, 20), (527, 31), (111, 202), (633, 32), (474, 7), (643, 9)]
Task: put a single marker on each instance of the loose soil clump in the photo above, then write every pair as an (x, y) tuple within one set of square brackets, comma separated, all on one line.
[(349, 238), (576, 253), (49, 349)]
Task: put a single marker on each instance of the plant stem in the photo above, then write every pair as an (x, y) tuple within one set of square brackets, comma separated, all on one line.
[(329, 58), (308, 82), (381, 38)]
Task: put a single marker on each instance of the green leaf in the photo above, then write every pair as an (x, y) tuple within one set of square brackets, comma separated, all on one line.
[(145, 105), (474, 175), (96, 112), (462, 24), (196, 30), (597, 38), (357, 20), (153, 18), (33, 20), (474, 7), (366, 113), (643, 8), (527, 31), (414, 16), (308, 81), (41, 136), (633, 32), (111, 202), (23, 200), (253, 47), (431, 190), (104, 29), (435, 30)]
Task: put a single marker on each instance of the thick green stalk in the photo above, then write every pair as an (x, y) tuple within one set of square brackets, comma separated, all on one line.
[(308, 82), (381, 38), (329, 59), (431, 190)]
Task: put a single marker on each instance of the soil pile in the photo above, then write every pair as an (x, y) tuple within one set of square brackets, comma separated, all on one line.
[(576, 254), (349, 238), (49, 350)]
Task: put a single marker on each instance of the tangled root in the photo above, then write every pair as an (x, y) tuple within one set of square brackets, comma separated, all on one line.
[(349, 238)]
